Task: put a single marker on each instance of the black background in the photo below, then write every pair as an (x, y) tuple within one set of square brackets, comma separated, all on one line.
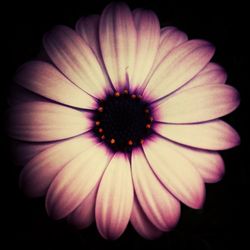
[(223, 220)]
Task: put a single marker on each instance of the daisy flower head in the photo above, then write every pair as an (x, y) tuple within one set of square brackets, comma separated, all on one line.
[(121, 122)]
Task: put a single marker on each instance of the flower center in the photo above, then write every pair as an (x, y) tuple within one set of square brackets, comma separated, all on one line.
[(123, 121)]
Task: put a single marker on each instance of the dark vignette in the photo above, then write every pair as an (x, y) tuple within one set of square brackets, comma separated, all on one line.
[(222, 221)]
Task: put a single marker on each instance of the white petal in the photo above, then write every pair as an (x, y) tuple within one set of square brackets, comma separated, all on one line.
[(211, 74), (88, 29), (209, 164), (40, 171), (114, 198), (170, 38), (162, 209), (84, 214), (76, 60), (44, 121), (19, 95), (178, 67), (175, 172), (198, 104), (44, 79), (117, 35), (148, 37), (72, 185), (142, 224), (212, 66), (25, 151), (213, 135)]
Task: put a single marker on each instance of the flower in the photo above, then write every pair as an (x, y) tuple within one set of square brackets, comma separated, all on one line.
[(121, 122)]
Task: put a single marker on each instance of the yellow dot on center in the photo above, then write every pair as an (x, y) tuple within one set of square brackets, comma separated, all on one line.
[(112, 141), (100, 109), (130, 142)]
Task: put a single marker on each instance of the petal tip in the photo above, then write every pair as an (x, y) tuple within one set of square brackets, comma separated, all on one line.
[(236, 140), (199, 200), (51, 210)]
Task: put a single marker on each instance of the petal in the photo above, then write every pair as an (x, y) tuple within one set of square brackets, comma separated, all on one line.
[(44, 79), (44, 121), (72, 185), (25, 151), (178, 67), (39, 172), (198, 104), (170, 38), (213, 135), (162, 209), (175, 172), (213, 66), (209, 164), (142, 224), (211, 74), (88, 29), (19, 95), (84, 214), (118, 36), (76, 60), (148, 37), (114, 198)]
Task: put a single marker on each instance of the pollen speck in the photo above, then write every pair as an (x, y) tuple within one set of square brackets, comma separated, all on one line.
[(130, 142), (100, 109)]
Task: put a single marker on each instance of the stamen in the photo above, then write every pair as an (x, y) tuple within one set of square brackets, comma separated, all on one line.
[(100, 109), (122, 121)]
